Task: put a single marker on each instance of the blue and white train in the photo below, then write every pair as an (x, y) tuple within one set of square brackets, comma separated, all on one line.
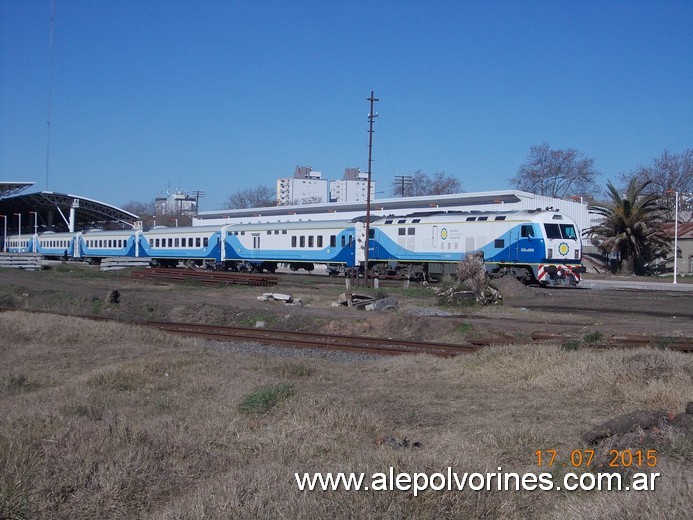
[(536, 246)]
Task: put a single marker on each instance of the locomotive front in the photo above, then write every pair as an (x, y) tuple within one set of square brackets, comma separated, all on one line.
[(561, 264)]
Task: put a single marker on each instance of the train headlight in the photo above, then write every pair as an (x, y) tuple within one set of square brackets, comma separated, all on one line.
[(549, 253), (577, 254)]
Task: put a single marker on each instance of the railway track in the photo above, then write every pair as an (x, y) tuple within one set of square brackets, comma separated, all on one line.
[(162, 275), (386, 346), (357, 344), (360, 344)]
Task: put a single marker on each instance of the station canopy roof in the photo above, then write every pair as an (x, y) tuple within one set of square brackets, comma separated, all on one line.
[(10, 188), (53, 210)]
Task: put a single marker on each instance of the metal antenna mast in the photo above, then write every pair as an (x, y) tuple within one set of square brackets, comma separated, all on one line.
[(371, 117), (50, 89)]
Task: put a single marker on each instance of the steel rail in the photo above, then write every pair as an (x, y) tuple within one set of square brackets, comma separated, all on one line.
[(359, 344), (313, 339), (165, 275)]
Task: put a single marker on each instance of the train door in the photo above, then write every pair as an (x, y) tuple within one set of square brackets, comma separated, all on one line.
[(76, 248), (360, 244), (256, 245), (137, 239), (373, 249)]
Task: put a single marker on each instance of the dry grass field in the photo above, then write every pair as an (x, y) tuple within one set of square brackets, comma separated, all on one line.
[(107, 420)]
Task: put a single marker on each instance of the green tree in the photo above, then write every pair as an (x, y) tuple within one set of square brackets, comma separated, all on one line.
[(631, 227)]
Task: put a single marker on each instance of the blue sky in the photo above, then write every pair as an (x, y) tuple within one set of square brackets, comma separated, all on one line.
[(221, 96)]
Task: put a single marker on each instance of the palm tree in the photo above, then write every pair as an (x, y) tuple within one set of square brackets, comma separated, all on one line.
[(631, 227)]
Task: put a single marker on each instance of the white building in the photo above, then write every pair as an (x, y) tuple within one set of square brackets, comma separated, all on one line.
[(505, 200), (353, 187), (176, 203), (305, 187)]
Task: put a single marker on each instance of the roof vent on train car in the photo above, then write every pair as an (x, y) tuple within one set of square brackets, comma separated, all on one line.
[(557, 217)]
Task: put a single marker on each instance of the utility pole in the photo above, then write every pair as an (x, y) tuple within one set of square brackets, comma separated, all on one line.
[(371, 117), (198, 195), (405, 180)]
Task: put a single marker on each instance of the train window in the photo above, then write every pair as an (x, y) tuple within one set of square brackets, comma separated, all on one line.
[(343, 240), (502, 217), (499, 243), (333, 241), (389, 221), (170, 242), (197, 242), (242, 232), (371, 233), (527, 231), (402, 221), (471, 219), (416, 221), (269, 231), (483, 218), (319, 240), (401, 231), (351, 240), (568, 231), (175, 242), (411, 231), (552, 231), (205, 242), (311, 240), (302, 241), (276, 231), (283, 231), (293, 241)]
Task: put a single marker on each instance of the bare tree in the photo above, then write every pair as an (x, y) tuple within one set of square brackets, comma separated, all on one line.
[(141, 209), (667, 174), (315, 199), (258, 197), (556, 173), (418, 184)]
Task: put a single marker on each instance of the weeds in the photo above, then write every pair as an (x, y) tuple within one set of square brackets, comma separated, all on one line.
[(121, 380), (263, 400), (16, 383), (464, 328), (293, 369), (593, 337), (571, 345)]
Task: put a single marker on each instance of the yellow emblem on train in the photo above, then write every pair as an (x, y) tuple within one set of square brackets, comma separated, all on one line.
[(563, 248), (444, 233)]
